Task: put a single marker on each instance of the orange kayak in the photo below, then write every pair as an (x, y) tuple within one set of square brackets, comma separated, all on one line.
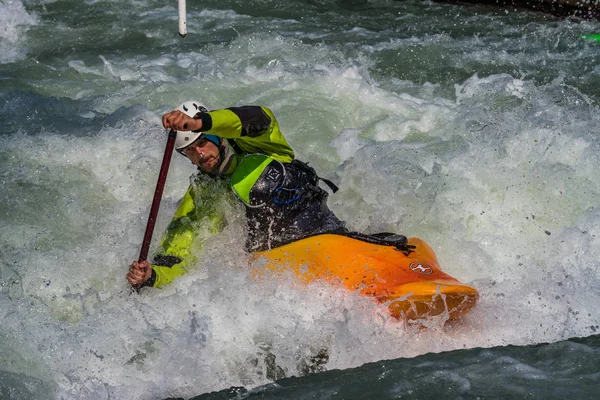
[(411, 282)]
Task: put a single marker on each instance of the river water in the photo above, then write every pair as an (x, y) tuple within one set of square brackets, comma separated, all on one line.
[(473, 128)]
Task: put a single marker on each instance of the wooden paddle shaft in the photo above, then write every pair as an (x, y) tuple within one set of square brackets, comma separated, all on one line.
[(160, 185)]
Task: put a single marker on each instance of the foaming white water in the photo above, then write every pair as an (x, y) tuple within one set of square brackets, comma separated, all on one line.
[(14, 23), (213, 328), (500, 183), (78, 222), (482, 193)]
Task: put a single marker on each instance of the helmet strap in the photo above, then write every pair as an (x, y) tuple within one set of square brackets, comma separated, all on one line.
[(228, 158)]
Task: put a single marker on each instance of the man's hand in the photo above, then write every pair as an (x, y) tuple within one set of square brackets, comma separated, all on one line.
[(139, 273), (178, 121)]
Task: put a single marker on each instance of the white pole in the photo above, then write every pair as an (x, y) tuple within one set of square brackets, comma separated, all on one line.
[(182, 23)]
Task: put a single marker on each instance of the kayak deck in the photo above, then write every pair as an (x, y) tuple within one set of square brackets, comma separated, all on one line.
[(412, 285)]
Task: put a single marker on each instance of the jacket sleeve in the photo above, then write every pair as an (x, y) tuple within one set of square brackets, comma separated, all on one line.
[(181, 240), (253, 128), (237, 122)]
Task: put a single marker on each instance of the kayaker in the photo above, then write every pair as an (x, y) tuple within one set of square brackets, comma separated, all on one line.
[(283, 199)]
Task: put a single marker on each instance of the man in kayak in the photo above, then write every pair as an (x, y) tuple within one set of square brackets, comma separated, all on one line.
[(283, 199)]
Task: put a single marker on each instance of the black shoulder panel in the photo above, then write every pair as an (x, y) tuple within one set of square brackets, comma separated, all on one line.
[(254, 120)]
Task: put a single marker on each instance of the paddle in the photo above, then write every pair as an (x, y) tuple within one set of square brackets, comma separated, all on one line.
[(160, 185)]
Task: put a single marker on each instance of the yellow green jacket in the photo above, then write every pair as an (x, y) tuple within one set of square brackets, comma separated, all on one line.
[(249, 129)]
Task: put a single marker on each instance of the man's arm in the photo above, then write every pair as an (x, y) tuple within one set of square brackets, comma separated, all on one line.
[(254, 129), (175, 244), (176, 251), (235, 122), (251, 121)]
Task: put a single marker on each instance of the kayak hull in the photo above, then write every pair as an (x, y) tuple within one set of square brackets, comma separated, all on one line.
[(412, 285)]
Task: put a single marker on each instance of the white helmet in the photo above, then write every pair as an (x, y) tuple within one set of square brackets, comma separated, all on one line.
[(189, 108)]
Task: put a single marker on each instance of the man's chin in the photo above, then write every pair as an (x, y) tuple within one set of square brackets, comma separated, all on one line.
[(211, 167)]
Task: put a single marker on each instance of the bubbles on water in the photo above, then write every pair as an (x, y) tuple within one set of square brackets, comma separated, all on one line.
[(468, 189), (14, 23), (502, 190)]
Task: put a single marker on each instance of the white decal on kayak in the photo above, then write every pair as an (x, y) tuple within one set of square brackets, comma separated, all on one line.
[(420, 268)]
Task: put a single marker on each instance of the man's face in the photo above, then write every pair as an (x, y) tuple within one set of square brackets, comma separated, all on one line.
[(204, 154)]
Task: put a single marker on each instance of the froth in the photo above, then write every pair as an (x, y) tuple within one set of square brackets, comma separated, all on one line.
[(508, 203), (14, 22)]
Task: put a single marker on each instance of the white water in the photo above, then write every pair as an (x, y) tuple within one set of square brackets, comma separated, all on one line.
[(498, 176), (14, 23)]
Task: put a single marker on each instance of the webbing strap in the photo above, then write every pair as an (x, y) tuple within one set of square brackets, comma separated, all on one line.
[(331, 185)]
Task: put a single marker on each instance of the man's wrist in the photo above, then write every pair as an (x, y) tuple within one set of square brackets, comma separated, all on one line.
[(205, 121), (151, 280), (197, 124)]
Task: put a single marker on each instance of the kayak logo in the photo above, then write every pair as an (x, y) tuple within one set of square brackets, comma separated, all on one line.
[(420, 268), (273, 175)]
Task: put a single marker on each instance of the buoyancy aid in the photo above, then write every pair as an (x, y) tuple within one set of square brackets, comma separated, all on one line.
[(283, 201)]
